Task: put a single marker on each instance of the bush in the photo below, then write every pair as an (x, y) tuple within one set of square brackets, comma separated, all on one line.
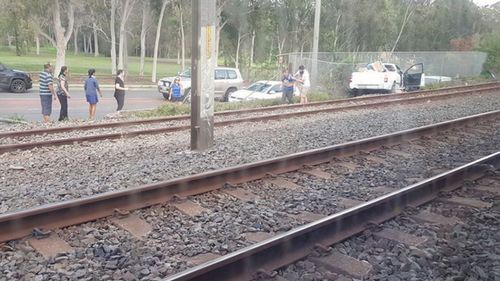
[(170, 109)]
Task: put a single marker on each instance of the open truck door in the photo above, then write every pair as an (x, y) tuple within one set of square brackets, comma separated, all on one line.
[(412, 77)]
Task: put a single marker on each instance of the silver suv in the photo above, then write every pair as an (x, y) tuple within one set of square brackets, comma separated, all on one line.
[(227, 80)]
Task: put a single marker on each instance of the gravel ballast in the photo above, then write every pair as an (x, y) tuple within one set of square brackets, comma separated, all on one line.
[(102, 251), (467, 250), (45, 175)]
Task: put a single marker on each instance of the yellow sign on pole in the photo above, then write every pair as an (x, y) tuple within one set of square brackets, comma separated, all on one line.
[(209, 41)]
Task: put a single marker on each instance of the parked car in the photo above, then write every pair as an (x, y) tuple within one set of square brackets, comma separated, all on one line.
[(14, 80), (227, 81), (260, 90), (386, 77)]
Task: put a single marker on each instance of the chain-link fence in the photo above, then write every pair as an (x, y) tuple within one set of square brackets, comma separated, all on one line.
[(334, 69)]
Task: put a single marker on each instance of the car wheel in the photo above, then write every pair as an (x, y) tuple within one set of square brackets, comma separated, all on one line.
[(228, 93), (18, 86)]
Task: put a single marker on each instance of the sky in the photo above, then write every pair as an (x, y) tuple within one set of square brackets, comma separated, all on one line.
[(485, 2)]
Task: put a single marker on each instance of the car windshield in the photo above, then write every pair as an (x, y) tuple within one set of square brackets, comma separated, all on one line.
[(259, 87), (186, 73), (390, 67)]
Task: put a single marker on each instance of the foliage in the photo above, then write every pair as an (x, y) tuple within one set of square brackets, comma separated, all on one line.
[(170, 109), (491, 45), (280, 26)]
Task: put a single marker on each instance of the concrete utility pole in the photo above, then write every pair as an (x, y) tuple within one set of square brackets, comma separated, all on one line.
[(202, 74), (314, 70)]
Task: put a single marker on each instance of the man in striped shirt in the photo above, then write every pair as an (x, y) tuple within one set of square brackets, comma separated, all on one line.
[(47, 92)]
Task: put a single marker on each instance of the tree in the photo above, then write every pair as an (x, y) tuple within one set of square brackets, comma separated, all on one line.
[(113, 36), (127, 9), (157, 41), (144, 28), (62, 34)]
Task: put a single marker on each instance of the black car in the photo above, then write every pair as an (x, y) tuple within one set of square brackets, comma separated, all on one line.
[(14, 80)]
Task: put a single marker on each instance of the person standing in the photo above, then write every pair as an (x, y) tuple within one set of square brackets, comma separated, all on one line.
[(302, 76), (91, 87), (176, 91), (63, 93), (47, 92), (287, 87), (120, 90)]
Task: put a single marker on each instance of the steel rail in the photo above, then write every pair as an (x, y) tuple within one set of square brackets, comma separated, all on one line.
[(241, 111), (18, 224), (293, 245), (57, 142)]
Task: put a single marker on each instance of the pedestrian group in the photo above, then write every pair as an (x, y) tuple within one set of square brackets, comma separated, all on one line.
[(49, 93), (300, 80)]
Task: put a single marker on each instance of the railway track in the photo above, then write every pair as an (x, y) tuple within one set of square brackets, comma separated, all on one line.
[(20, 140), (259, 261), (15, 225), (340, 102), (274, 178)]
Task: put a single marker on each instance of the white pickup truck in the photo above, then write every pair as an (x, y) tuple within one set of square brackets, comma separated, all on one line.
[(386, 77)]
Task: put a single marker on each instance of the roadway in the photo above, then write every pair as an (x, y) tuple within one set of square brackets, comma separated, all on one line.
[(27, 105)]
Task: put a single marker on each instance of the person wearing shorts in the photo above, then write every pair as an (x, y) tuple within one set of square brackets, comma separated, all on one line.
[(302, 76), (91, 87), (47, 93), (176, 91)]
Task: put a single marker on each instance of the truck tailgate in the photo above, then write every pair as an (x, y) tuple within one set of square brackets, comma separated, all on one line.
[(368, 79)]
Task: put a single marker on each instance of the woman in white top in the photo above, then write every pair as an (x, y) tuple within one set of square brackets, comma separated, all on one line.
[(302, 76)]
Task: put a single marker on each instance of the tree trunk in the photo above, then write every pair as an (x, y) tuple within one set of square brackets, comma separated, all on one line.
[(9, 40), (407, 16), (183, 43), (145, 10), (89, 41), (96, 40), (85, 45), (237, 57), (62, 35), (125, 53), (113, 36), (37, 40), (75, 39), (126, 13), (157, 41), (252, 48), (271, 50), (217, 34)]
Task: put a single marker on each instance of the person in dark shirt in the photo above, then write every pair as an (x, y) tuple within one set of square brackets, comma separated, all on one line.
[(63, 93), (287, 86), (120, 90)]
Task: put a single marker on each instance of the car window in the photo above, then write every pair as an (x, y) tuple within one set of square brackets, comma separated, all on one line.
[(390, 68), (2, 68), (259, 87), (275, 88), (220, 74), (416, 69), (186, 73), (232, 74)]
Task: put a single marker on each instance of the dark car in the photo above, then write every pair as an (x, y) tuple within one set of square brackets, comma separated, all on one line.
[(14, 80)]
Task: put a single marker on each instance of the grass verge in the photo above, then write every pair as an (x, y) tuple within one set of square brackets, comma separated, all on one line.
[(171, 109)]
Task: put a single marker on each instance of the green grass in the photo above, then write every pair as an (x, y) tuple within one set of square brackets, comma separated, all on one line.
[(16, 118), (170, 109), (458, 82), (80, 63)]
